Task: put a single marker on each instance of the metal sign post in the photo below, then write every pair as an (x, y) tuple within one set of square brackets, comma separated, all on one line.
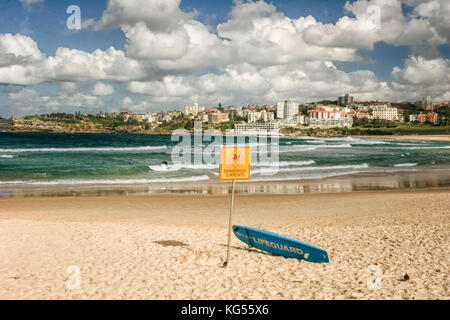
[(229, 224)]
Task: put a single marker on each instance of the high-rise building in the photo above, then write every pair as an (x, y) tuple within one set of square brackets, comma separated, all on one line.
[(427, 104), (287, 110), (280, 110), (290, 110), (345, 100)]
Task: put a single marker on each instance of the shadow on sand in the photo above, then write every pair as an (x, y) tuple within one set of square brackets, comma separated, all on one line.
[(171, 243)]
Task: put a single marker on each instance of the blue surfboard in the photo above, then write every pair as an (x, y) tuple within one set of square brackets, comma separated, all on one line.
[(280, 245)]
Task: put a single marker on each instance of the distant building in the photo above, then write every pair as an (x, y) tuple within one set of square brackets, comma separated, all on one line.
[(267, 116), (280, 110), (362, 114), (253, 116), (136, 116), (290, 110), (426, 104), (384, 112), (234, 112), (216, 116), (225, 117), (256, 128), (413, 117), (287, 110), (202, 116), (193, 110), (323, 114), (299, 118), (345, 100), (428, 117), (329, 117), (174, 114)]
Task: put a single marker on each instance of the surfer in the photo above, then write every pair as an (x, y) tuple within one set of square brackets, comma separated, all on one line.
[(131, 162), (165, 165)]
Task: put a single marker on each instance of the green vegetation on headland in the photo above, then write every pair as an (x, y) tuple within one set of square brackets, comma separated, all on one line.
[(62, 122), (5, 124), (371, 129)]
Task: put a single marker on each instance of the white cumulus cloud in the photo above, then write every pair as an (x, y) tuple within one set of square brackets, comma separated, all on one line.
[(257, 55), (102, 89)]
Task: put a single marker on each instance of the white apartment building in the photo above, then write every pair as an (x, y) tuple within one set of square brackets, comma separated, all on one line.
[(267, 116), (413, 117), (280, 110), (384, 112), (193, 110), (167, 118), (137, 116), (256, 128), (202, 116), (290, 110), (235, 112), (287, 110), (253, 116), (151, 118), (299, 118)]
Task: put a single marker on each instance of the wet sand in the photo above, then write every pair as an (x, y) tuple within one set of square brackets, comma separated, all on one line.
[(172, 247), (412, 178)]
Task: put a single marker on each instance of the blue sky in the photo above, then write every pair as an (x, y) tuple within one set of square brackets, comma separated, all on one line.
[(44, 22)]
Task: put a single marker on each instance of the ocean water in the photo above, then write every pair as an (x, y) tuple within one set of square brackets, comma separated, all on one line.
[(51, 159)]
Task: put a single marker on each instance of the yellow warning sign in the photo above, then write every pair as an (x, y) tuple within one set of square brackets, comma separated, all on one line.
[(235, 163)]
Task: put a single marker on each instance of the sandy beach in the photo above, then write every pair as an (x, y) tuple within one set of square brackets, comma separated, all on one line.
[(172, 247)]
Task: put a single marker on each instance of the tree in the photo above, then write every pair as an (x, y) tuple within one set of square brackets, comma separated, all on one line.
[(303, 109), (189, 125), (406, 115)]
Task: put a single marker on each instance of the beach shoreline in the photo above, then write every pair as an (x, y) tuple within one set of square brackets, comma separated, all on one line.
[(171, 247), (408, 178), (441, 138)]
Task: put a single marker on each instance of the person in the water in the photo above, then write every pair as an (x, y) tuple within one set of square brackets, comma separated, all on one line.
[(131, 161)]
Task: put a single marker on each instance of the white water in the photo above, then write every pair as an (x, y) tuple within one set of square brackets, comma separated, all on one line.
[(87, 149)]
